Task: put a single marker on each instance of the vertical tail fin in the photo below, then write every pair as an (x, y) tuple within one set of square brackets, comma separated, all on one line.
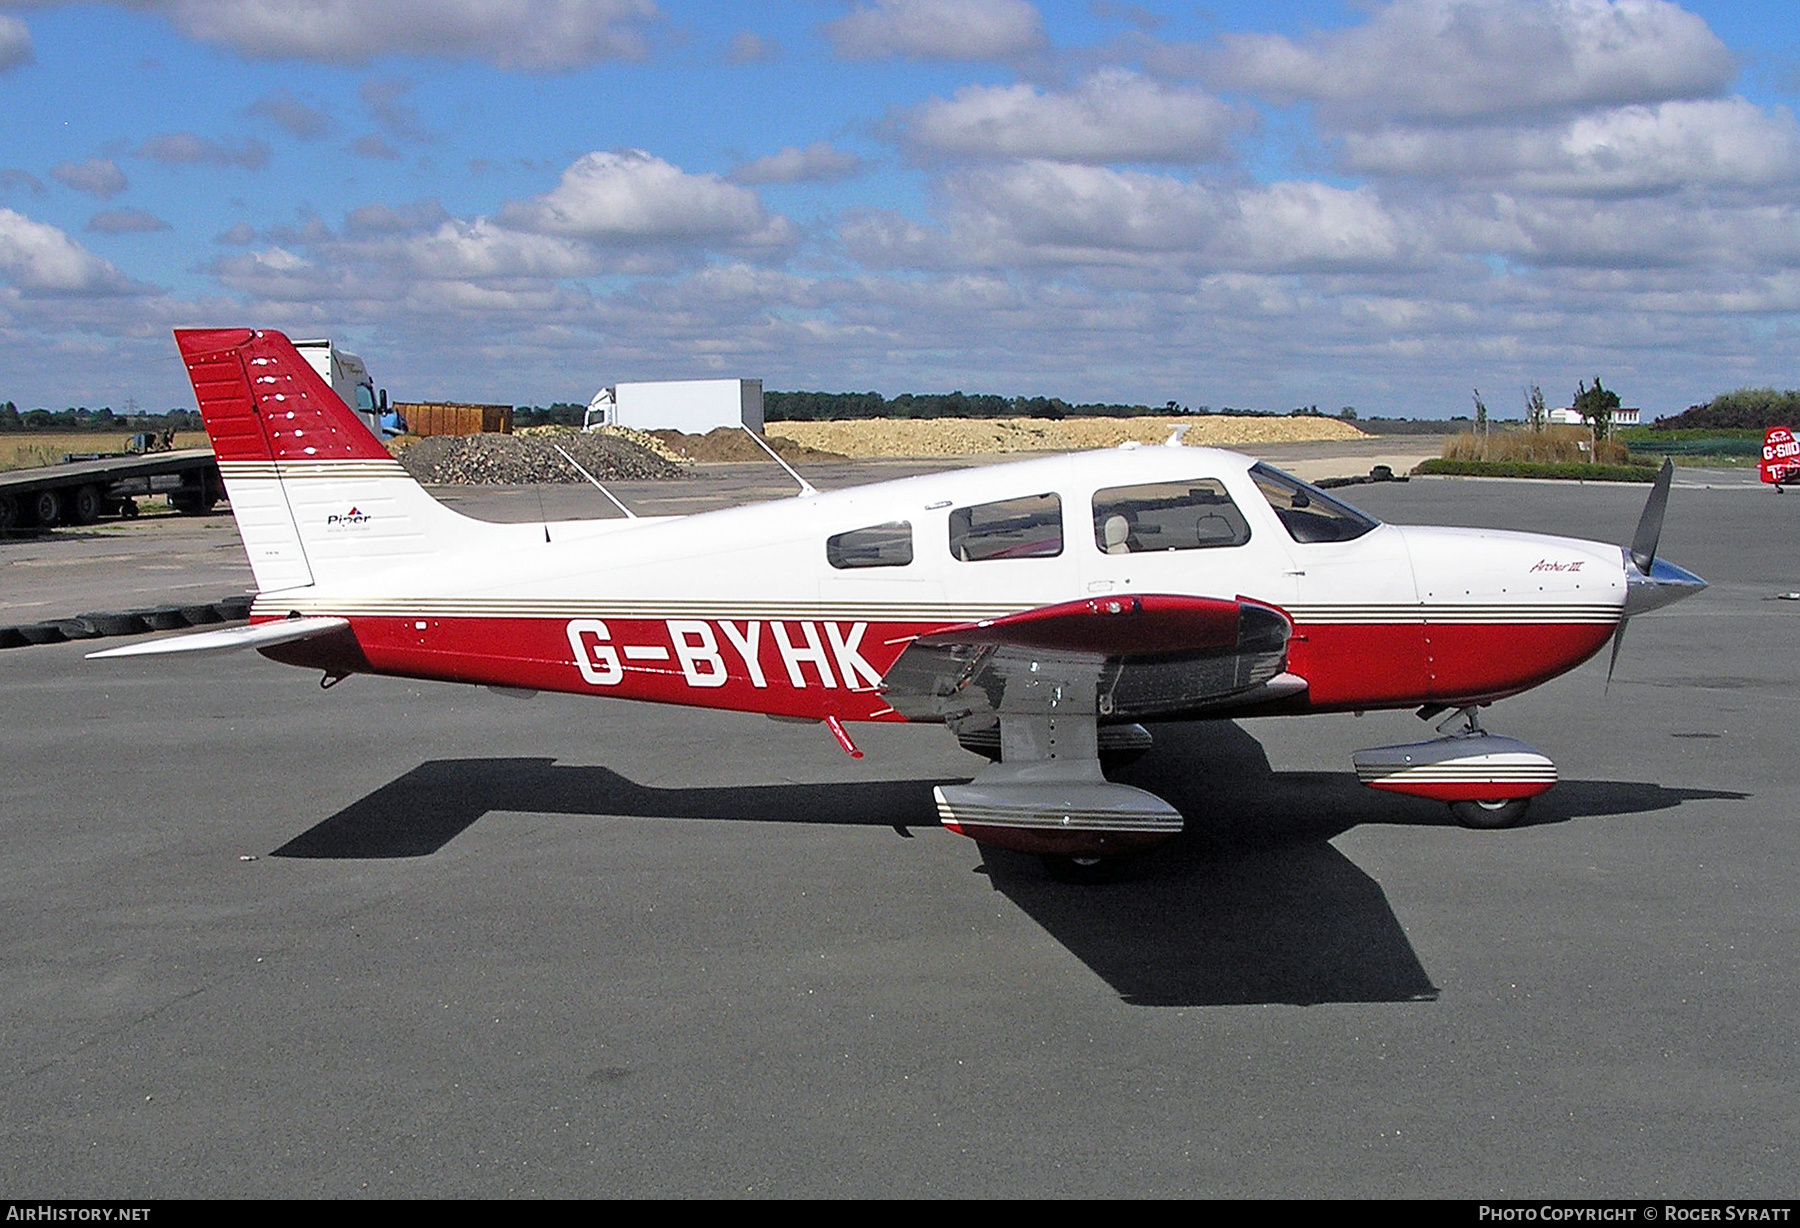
[(317, 497)]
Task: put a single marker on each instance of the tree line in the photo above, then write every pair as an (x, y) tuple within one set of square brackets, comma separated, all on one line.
[(76, 419), (840, 406), (1746, 409), (846, 406)]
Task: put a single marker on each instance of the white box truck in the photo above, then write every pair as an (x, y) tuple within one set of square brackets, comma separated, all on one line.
[(692, 406)]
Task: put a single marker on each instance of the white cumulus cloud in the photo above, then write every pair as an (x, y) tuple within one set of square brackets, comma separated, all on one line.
[(188, 147), (481, 249), (632, 195), (1710, 143), (126, 221), (15, 43), (38, 257), (532, 35), (97, 176), (1049, 214), (819, 162), (1459, 60), (938, 30), (542, 35), (1114, 116), (299, 119)]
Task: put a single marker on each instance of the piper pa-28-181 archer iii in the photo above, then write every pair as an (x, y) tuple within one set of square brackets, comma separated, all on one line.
[(1040, 609)]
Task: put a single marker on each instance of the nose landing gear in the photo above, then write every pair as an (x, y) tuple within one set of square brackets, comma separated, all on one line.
[(1487, 780)]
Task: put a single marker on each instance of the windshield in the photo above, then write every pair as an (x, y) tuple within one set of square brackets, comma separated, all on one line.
[(1306, 512)]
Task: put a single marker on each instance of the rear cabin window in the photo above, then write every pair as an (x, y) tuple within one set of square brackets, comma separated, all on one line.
[(879, 545), (1308, 513), (1192, 515), (1029, 527)]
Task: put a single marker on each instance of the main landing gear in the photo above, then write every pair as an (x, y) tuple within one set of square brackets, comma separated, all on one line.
[(1047, 794), (1487, 780)]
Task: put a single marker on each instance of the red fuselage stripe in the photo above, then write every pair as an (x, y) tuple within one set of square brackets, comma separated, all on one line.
[(819, 668)]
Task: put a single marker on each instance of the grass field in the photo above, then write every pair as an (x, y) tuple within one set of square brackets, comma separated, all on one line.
[(30, 449)]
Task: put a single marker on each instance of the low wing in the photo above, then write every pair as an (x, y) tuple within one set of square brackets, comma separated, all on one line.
[(260, 635), (1138, 656)]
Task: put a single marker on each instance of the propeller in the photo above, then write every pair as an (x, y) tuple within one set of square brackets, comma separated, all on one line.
[(1649, 529), (1650, 582), (1612, 663)]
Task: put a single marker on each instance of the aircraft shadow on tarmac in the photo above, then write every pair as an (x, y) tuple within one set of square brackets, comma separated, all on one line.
[(1250, 904)]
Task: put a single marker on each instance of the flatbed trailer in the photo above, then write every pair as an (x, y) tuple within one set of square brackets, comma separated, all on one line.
[(83, 491)]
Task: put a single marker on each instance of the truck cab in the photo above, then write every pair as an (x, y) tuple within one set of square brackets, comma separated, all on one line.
[(348, 376)]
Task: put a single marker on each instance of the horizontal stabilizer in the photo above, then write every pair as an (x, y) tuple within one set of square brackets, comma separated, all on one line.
[(261, 635)]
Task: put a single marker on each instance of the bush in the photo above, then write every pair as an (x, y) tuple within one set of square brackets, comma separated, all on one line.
[(1552, 445)]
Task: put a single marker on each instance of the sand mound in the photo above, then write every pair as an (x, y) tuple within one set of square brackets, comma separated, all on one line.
[(962, 436)]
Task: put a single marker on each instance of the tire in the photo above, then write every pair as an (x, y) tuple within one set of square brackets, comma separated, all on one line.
[(85, 505), (164, 618), (1491, 815), (46, 509), (1083, 871), (116, 623)]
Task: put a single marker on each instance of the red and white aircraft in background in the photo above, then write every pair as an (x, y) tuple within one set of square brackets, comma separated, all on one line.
[(1039, 609), (1780, 458)]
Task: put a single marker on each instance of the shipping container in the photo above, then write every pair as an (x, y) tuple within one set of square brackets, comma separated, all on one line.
[(455, 418)]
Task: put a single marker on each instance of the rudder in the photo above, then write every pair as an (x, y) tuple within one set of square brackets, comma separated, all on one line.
[(317, 497)]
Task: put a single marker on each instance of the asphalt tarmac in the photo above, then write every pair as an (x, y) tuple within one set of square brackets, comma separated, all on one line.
[(413, 940)]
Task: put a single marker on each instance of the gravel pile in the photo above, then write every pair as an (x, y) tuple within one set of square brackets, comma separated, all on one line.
[(644, 439), (730, 443), (512, 460)]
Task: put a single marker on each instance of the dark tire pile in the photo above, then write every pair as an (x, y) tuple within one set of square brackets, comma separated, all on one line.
[(512, 460), (126, 622)]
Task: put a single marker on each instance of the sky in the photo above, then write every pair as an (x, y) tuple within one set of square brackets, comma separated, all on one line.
[(1385, 204)]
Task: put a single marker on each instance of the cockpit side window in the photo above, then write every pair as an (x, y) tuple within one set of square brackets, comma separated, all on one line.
[(1191, 515), (1308, 513), (879, 545), (1029, 527)]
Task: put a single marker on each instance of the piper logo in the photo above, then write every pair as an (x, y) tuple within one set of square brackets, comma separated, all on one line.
[(337, 522)]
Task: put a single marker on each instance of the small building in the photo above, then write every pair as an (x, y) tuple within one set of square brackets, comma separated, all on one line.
[(1620, 417)]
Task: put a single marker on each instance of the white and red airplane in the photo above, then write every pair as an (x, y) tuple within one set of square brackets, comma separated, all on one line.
[(1040, 609), (1780, 458)]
